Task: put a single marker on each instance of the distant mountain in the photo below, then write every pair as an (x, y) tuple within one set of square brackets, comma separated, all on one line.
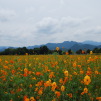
[(65, 44), (99, 46), (32, 47), (92, 43), (82, 46), (73, 45), (2, 48)]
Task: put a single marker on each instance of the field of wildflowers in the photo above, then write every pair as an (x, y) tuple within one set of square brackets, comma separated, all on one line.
[(50, 78)]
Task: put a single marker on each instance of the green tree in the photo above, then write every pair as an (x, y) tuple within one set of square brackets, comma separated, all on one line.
[(44, 50)]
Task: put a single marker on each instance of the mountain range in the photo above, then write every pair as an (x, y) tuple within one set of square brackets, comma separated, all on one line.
[(73, 45)]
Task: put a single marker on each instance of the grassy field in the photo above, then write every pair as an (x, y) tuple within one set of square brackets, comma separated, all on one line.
[(50, 78)]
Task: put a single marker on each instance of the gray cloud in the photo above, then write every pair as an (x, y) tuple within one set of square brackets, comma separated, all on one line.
[(30, 22), (95, 31), (46, 30), (51, 25)]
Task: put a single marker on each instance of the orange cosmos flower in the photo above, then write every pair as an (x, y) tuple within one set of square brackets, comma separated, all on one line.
[(25, 70), (38, 74), (74, 64), (6, 62), (12, 92), (65, 80), (87, 80), (27, 99), (51, 75), (57, 94), (96, 72), (39, 83), (75, 73), (47, 83), (13, 71), (40, 92), (61, 80), (66, 53), (79, 66), (54, 99), (82, 93), (98, 98), (70, 95), (30, 86), (11, 61), (83, 52), (81, 71), (0, 60), (70, 78), (36, 89), (26, 54), (54, 85)]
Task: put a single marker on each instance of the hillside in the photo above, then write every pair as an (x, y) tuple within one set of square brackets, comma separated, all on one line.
[(73, 45)]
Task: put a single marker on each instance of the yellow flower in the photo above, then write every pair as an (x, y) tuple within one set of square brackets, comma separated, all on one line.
[(62, 88), (32, 99), (91, 52), (66, 73), (85, 90), (57, 48), (96, 72), (87, 80), (54, 84)]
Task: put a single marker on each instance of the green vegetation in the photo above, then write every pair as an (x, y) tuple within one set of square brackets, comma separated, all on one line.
[(50, 77), (44, 50)]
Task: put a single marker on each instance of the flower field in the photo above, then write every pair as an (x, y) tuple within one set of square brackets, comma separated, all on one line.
[(50, 78)]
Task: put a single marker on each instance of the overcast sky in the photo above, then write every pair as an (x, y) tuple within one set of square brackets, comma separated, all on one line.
[(34, 22)]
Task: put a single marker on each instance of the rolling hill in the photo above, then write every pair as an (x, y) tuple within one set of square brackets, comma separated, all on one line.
[(73, 45)]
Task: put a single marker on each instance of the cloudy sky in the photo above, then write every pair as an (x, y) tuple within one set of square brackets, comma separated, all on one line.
[(34, 22)]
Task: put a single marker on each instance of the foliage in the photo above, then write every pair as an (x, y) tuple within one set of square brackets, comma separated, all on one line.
[(50, 77), (44, 50)]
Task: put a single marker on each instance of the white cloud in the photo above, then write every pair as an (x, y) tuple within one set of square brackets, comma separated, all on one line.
[(62, 2), (30, 10), (6, 15)]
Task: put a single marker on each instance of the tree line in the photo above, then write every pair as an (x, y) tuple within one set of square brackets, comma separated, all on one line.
[(45, 50)]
